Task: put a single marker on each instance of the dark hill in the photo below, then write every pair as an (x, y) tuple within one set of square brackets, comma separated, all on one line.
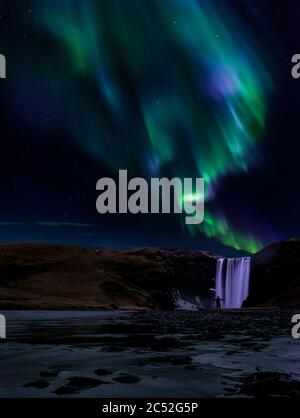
[(275, 275), (37, 276)]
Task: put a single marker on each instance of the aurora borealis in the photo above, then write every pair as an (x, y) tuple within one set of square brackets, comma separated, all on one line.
[(212, 88), (162, 88)]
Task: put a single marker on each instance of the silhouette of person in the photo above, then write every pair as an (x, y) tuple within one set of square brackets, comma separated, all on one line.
[(218, 303)]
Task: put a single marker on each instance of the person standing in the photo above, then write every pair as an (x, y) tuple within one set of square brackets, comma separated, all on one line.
[(218, 303)]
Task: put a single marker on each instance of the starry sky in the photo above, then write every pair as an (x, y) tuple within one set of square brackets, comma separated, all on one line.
[(175, 88)]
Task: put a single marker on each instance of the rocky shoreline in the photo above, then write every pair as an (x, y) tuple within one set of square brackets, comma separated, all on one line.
[(153, 353)]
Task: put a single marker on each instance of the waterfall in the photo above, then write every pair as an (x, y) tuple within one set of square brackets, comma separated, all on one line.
[(232, 281)]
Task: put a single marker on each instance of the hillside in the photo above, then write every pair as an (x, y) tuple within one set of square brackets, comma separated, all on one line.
[(38, 276), (275, 275)]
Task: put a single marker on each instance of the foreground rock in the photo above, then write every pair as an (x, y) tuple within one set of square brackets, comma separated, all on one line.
[(39, 384), (271, 384), (77, 384)]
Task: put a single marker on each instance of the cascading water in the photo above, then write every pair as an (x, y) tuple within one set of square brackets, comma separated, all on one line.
[(232, 281)]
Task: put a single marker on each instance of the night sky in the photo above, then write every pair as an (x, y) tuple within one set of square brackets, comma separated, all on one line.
[(175, 88)]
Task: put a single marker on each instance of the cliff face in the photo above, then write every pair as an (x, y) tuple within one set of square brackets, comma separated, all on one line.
[(275, 275), (37, 276)]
